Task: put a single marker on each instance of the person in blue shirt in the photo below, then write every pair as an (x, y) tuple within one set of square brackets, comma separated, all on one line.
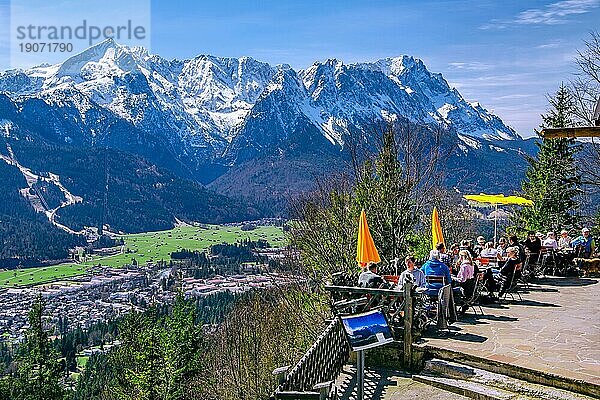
[(434, 266), (418, 278), (585, 242)]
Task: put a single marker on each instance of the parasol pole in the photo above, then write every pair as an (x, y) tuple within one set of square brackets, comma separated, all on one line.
[(495, 224)]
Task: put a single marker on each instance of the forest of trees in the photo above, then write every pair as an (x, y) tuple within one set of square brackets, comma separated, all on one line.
[(220, 347), (26, 236), (563, 179), (125, 191), (120, 190)]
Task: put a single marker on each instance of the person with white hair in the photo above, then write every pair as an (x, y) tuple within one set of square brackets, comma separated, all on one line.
[(564, 242), (434, 267), (550, 241), (489, 251)]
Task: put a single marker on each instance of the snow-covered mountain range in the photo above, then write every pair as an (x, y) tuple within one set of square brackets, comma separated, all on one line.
[(203, 116)]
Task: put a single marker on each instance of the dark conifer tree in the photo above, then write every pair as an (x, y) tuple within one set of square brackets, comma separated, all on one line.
[(38, 370), (552, 181)]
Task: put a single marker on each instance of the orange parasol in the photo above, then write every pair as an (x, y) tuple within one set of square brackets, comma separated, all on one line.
[(436, 228), (366, 251)]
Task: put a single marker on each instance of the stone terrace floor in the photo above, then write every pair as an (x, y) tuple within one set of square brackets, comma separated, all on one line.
[(556, 329)]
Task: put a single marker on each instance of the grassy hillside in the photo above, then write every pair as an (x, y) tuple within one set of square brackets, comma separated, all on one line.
[(145, 247)]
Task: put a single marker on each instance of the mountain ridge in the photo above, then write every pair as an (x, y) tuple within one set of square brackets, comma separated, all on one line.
[(207, 98), (205, 117)]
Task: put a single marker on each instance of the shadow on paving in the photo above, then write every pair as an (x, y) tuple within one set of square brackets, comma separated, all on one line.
[(473, 319), (375, 383), (539, 289), (535, 303), (497, 306), (455, 333), (558, 281)]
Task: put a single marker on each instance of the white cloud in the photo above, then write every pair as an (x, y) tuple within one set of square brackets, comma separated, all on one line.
[(552, 14), (555, 13), (515, 96), (469, 66), (550, 45)]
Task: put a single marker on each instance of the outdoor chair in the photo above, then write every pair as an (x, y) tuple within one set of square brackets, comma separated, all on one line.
[(489, 262), (446, 311), (533, 265), (391, 279), (435, 279), (548, 258), (482, 261), (473, 300), (513, 289), (527, 273)]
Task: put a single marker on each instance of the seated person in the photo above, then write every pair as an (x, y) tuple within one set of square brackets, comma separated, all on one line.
[(479, 246), (585, 244), (466, 245), (501, 249), (369, 277), (564, 242), (513, 241), (532, 246), (418, 277), (444, 257), (489, 251), (550, 241), (434, 266), (466, 272), (465, 278), (511, 269), (454, 250)]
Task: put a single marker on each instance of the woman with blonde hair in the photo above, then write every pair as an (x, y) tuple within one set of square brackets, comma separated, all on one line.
[(466, 270), (466, 273)]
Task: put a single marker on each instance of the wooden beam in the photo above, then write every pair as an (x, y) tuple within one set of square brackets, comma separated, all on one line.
[(585, 131)]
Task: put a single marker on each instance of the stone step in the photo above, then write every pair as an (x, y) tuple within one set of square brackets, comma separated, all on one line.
[(389, 384), (475, 382), (545, 379), (468, 389)]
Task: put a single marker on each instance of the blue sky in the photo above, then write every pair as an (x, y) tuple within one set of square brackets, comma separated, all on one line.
[(505, 54)]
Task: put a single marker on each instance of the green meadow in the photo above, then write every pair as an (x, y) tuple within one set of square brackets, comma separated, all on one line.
[(146, 247)]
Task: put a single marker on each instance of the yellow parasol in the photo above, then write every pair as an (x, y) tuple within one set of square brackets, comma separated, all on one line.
[(366, 251), (436, 228), (498, 199)]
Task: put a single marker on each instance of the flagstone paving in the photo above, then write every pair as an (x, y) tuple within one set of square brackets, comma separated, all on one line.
[(555, 329), (389, 385)]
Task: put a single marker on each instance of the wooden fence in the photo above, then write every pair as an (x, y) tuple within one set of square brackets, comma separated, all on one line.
[(313, 376)]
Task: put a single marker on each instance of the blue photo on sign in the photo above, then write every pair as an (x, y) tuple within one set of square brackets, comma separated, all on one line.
[(367, 330)]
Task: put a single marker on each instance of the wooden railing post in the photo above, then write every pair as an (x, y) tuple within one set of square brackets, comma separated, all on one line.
[(324, 389), (408, 319), (280, 373)]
